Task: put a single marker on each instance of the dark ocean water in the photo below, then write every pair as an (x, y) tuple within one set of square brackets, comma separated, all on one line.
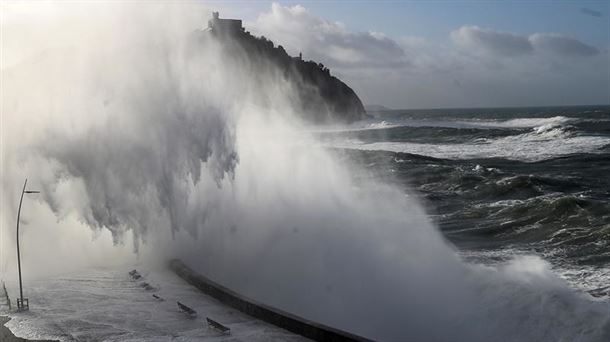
[(500, 182)]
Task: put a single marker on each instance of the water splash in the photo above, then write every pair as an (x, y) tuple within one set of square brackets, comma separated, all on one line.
[(139, 129)]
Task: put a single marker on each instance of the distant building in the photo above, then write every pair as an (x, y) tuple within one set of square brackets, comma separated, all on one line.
[(224, 25)]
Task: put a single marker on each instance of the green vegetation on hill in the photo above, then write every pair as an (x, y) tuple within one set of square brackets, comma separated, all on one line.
[(319, 95)]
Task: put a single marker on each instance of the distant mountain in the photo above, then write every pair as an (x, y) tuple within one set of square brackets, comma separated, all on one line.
[(320, 96), (375, 108)]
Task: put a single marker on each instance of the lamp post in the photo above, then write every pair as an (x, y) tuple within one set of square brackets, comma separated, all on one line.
[(21, 305)]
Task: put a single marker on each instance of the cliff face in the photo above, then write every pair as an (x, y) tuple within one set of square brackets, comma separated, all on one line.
[(322, 98)]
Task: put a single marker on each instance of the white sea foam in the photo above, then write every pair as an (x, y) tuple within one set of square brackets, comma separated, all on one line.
[(386, 123), (527, 122), (581, 277), (544, 142)]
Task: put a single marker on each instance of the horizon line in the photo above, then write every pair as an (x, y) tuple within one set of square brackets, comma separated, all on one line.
[(488, 107)]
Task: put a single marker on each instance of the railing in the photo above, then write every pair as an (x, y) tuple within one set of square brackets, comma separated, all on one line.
[(8, 300)]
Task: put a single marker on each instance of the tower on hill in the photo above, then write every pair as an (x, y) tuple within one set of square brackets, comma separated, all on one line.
[(224, 25)]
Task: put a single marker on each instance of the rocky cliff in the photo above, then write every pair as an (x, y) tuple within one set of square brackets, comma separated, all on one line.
[(319, 96)]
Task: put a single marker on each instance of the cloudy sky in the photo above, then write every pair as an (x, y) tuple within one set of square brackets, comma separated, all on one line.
[(421, 54), (403, 54)]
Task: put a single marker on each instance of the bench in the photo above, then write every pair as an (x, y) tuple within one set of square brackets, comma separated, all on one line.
[(212, 323), (187, 310)]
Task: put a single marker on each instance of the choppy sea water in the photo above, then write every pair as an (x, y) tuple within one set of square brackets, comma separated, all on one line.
[(501, 182)]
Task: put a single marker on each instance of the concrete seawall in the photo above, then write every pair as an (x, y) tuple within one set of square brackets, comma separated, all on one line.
[(290, 322)]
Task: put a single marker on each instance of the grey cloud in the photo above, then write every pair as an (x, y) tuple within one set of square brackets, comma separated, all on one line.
[(591, 12), (298, 30), (488, 40), (561, 45), (508, 44), (416, 72)]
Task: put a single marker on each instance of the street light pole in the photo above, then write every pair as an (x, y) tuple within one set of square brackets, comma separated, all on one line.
[(20, 302)]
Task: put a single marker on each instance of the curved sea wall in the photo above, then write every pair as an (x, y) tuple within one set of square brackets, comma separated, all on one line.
[(292, 323)]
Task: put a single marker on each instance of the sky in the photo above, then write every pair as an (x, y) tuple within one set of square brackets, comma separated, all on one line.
[(435, 54), (406, 54)]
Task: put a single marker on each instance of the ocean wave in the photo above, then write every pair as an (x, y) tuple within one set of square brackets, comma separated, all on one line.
[(582, 217), (388, 123), (571, 227), (530, 122), (541, 143), (582, 277)]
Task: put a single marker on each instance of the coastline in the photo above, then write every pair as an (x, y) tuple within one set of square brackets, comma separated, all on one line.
[(7, 336)]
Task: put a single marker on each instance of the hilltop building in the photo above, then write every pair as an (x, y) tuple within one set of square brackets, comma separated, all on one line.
[(224, 25), (321, 97)]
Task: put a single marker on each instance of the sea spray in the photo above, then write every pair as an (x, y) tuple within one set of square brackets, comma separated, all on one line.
[(137, 130)]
